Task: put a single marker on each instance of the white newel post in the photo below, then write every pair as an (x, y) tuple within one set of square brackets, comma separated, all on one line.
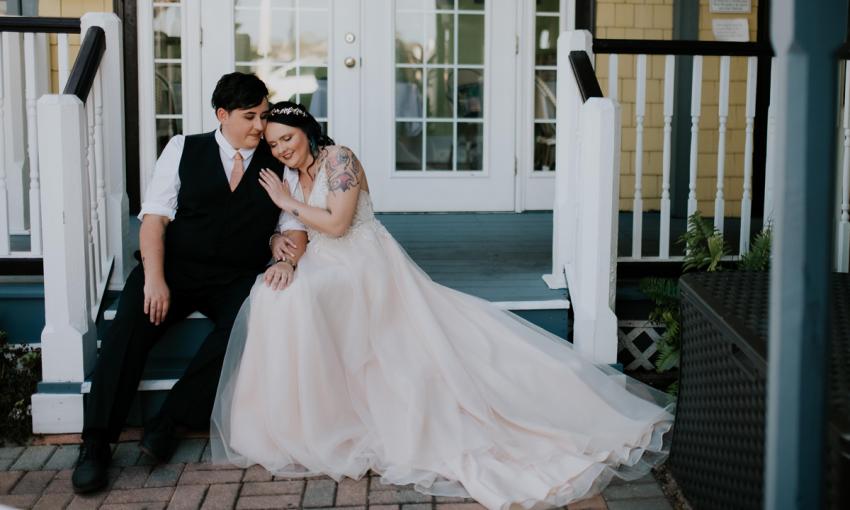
[(595, 333), (568, 105), (69, 338), (117, 205)]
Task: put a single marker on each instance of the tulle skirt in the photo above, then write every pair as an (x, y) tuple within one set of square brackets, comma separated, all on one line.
[(364, 363)]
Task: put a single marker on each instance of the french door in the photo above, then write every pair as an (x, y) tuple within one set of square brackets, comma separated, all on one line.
[(426, 92)]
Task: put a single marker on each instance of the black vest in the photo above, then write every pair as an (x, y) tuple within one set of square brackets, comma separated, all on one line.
[(218, 235)]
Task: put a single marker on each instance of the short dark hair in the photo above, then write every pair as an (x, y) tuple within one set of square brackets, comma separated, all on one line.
[(239, 90)]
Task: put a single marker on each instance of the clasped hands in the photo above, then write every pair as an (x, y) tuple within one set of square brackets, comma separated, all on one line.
[(279, 275)]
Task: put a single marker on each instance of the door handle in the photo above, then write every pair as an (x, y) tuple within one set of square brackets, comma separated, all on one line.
[(350, 62)]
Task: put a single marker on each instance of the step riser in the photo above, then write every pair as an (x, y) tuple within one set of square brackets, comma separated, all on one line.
[(22, 314)]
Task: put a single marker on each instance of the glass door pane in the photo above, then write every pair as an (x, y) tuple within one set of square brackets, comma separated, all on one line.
[(439, 85), (286, 44)]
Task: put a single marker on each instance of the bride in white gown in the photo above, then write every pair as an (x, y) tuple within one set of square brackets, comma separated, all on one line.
[(363, 363)]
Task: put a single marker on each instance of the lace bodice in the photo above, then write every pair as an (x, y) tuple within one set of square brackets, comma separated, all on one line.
[(363, 213)]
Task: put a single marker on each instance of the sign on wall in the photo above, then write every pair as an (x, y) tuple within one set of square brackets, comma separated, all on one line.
[(735, 30), (734, 6)]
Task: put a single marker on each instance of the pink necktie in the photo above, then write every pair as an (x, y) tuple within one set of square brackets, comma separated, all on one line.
[(237, 172)]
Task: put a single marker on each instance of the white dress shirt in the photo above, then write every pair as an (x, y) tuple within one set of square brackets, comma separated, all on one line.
[(161, 195)]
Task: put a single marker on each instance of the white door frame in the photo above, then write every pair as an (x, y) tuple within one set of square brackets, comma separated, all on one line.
[(534, 190)]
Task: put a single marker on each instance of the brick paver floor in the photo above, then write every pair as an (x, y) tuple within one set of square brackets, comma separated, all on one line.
[(38, 477)]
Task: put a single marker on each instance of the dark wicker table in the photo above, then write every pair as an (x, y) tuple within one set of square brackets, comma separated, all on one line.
[(717, 453)]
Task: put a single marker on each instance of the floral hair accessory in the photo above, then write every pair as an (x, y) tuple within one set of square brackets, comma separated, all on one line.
[(288, 110)]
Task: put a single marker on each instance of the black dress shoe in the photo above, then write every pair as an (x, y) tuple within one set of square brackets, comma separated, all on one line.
[(159, 440), (90, 470)]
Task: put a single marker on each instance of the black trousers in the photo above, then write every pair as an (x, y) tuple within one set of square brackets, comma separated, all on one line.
[(131, 336)]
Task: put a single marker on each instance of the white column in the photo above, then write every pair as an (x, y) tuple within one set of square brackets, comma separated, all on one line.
[(569, 102), (723, 115), (15, 121), (104, 257), (613, 76), (637, 202), (747, 198), (113, 144), (62, 58), (771, 149), (669, 94), (32, 144), (69, 338), (91, 197), (696, 109)]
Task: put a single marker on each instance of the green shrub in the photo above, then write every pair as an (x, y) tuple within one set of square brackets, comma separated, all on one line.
[(704, 251), (758, 258), (20, 371)]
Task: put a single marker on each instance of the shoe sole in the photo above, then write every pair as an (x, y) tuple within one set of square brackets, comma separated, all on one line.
[(94, 487)]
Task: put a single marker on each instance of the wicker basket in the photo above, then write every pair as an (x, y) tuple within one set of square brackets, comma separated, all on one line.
[(717, 453)]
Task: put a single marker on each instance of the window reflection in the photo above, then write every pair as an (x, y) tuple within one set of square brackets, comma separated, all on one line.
[(439, 81), (286, 44)]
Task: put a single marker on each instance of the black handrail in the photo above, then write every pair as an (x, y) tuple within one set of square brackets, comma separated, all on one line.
[(40, 24), (657, 47), (588, 85), (85, 67)]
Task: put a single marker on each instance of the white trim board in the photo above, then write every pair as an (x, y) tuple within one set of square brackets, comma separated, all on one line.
[(551, 304)]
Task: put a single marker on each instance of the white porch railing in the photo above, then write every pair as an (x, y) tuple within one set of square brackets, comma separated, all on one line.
[(752, 52), (81, 149), (24, 77)]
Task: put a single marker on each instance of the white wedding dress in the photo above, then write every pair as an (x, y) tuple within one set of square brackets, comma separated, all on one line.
[(365, 363)]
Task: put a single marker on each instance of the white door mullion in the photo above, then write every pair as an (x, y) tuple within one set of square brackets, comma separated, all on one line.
[(218, 52), (195, 104)]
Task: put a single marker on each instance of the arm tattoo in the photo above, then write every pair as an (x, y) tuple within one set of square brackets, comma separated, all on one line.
[(345, 170), (295, 213)]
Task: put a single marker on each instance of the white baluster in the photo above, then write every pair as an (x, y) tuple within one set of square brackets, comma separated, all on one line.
[(62, 57), (723, 115), (747, 199), (5, 247), (100, 169), (842, 243), (32, 143), (696, 109), (613, 76), (669, 91), (94, 241), (637, 203), (770, 158)]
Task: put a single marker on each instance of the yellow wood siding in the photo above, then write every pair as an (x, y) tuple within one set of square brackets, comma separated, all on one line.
[(653, 19), (68, 9)]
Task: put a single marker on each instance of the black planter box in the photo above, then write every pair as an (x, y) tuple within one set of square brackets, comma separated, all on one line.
[(717, 454)]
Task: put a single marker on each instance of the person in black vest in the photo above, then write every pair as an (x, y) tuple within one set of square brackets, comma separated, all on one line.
[(204, 238)]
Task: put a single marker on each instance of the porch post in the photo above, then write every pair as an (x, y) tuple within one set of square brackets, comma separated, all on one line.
[(114, 157), (806, 40), (569, 103), (69, 338)]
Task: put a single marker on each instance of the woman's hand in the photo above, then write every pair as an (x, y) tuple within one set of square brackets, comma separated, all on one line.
[(279, 275), (282, 246), (277, 188)]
